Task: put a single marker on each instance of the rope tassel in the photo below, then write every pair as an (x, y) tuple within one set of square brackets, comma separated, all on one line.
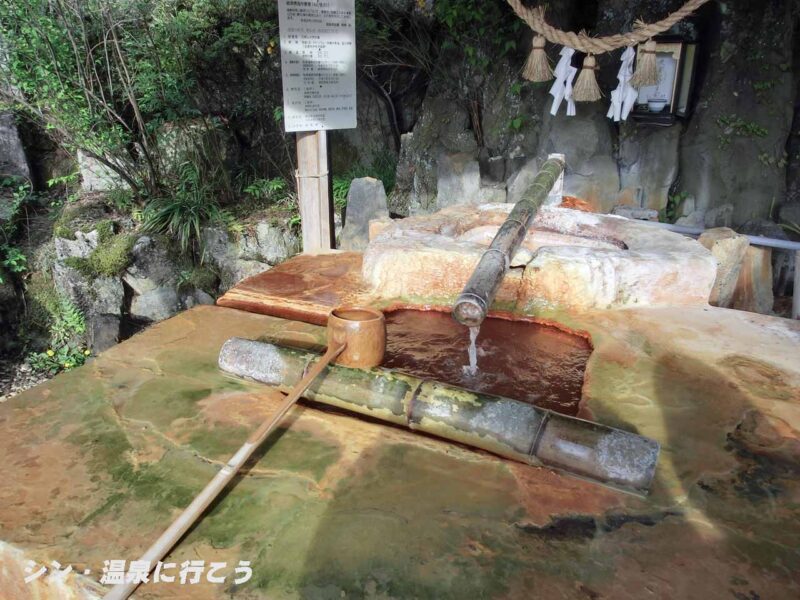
[(646, 66), (537, 67), (586, 88)]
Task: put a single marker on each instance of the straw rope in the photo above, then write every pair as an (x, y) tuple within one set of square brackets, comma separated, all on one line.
[(642, 31)]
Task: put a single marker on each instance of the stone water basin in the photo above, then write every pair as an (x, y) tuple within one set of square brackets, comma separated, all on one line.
[(99, 460)]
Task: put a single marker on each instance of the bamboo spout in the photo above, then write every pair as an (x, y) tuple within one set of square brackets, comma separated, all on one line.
[(506, 427), (473, 304)]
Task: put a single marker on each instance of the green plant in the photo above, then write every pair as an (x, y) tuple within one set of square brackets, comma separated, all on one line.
[(199, 277), (732, 124), (791, 227), (516, 123), (484, 30), (341, 187), (108, 259), (382, 167), (671, 212), (13, 260), (270, 190), (67, 350), (183, 214), (65, 180)]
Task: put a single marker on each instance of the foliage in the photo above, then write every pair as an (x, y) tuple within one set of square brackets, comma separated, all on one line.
[(67, 327), (12, 259), (109, 77), (732, 124), (484, 30), (267, 190), (183, 214), (382, 167), (199, 277), (341, 187), (791, 227), (671, 212)]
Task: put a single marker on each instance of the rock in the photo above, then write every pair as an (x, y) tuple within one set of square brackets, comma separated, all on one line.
[(521, 181), (696, 218), (100, 295), (728, 248), (790, 213), (442, 128), (10, 312), (102, 332), (458, 180), (155, 304), (763, 228), (97, 177), (367, 142), (587, 142), (634, 212), (239, 269), (648, 163), (100, 299), (151, 267), (81, 247), (13, 162), (366, 200), (493, 169), (719, 216), (266, 242), (577, 261), (249, 255), (732, 148), (277, 242), (783, 261), (493, 194), (178, 142), (754, 287)]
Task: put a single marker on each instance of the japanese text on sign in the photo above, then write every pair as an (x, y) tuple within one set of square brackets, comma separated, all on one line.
[(318, 62)]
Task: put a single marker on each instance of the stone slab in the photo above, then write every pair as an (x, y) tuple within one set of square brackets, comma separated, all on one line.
[(100, 459)]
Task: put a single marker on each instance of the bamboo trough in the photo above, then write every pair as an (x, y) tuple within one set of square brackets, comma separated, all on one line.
[(503, 426), (473, 304)]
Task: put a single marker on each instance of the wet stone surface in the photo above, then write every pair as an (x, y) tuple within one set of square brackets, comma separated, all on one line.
[(99, 460)]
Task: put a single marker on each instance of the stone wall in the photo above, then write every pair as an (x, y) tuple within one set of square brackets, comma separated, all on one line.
[(727, 161)]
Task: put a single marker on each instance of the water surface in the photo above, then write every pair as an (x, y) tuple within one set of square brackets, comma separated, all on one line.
[(526, 361)]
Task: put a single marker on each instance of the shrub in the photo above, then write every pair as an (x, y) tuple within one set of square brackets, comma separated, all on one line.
[(182, 215), (67, 348)]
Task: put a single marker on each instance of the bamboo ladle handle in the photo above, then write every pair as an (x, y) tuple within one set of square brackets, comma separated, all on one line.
[(191, 513)]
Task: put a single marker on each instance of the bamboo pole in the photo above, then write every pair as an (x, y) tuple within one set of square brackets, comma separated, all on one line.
[(473, 304), (509, 428), (191, 513)]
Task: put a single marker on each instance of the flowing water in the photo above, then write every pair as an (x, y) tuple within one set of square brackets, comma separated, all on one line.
[(526, 361), (472, 352)]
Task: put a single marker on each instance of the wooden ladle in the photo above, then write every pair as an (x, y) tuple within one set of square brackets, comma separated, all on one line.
[(356, 338)]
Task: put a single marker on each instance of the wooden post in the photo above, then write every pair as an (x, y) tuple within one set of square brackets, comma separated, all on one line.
[(796, 290), (313, 192)]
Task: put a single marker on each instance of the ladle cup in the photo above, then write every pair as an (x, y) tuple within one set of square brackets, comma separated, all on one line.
[(363, 333), (356, 338)]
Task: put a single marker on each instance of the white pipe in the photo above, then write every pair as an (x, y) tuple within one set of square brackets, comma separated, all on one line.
[(796, 293), (755, 240)]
